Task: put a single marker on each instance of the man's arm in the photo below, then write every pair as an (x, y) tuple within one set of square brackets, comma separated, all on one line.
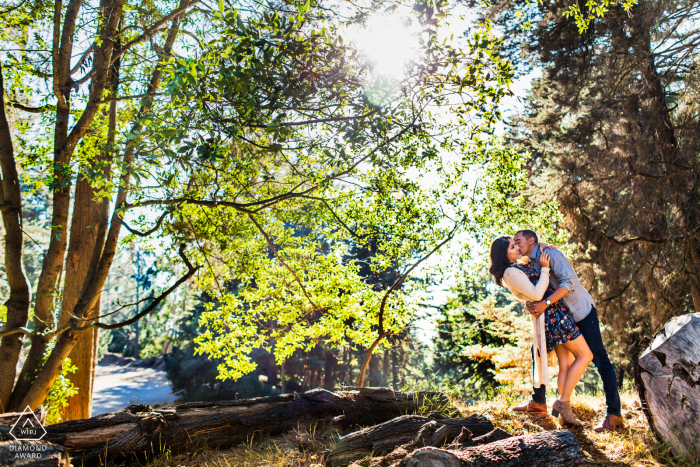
[(537, 308), (565, 274), (562, 269)]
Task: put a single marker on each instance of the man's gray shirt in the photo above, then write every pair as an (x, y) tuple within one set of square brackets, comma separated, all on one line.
[(578, 300)]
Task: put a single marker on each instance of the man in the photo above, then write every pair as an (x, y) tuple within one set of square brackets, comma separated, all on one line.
[(580, 304)]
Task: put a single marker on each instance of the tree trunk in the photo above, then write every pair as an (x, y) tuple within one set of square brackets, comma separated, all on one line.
[(382, 439), (104, 255), (375, 377), (385, 367), (222, 424), (546, 449), (32, 453), (18, 302), (329, 364), (83, 236), (670, 377)]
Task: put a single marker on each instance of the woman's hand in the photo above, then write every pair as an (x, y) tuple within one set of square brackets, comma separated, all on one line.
[(544, 259), (544, 245)]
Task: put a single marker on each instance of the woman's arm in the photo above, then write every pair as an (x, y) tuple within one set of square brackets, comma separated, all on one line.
[(517, 281), (536, 308)]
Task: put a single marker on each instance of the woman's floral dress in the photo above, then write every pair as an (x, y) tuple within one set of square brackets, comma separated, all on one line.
[(560, 327)]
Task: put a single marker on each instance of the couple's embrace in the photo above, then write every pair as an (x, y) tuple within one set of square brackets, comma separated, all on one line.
[(565, 321)]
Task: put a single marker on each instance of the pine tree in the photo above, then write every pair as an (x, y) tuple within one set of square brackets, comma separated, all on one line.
[(480, 325)]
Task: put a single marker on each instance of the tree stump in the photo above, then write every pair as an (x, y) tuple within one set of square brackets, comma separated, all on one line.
[(669, 374), (413, 431), (546, 449), (32, 453)]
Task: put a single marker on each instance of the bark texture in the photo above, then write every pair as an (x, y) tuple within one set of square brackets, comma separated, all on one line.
[(138, 428), (412, 431), (546, 449), (669, 371), (86, 216), (18, 302)]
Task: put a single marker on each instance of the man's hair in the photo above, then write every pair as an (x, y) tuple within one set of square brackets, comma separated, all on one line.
[(528, 234)]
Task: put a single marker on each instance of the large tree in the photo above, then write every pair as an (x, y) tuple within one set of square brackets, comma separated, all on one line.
[(612, 125), (215, 130)]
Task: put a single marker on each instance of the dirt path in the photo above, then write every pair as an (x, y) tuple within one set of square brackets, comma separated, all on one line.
[(116, 386)]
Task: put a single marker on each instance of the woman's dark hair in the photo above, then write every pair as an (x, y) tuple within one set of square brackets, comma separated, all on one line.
[(499, 258)]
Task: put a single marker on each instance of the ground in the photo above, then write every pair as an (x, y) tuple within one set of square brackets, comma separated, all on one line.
[(117, 386), (635, 446)]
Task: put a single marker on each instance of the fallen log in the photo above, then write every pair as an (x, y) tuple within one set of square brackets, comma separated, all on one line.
[(139, 429), (11, 417), (413, 431), (496, 435), (669, 374), (546, 449), (32, 453)]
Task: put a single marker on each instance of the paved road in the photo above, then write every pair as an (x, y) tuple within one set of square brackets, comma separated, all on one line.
[(116, 386)]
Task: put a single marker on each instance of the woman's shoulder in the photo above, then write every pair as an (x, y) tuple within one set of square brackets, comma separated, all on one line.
[(512, 270)]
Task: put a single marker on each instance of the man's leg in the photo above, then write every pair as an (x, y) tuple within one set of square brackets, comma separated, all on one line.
[(590, 329), (538, 394)]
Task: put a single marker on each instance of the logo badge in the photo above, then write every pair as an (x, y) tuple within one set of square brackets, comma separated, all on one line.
[(28, 427)]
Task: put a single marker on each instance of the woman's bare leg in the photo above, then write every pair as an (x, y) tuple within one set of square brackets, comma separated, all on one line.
[(582, 358), (566, 359)]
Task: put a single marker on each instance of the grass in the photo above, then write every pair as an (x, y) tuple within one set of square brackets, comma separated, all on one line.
[(635, 446)]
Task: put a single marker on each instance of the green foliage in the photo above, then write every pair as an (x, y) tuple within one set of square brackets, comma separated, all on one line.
[(594, 9), (459, 328), (267, 123), (61, 390), (194, 377)]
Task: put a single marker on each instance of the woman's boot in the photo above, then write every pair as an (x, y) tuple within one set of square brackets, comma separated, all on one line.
[(564, 409)]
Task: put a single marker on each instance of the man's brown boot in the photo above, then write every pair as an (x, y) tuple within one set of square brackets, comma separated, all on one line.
[(532, 408), (610, 423)]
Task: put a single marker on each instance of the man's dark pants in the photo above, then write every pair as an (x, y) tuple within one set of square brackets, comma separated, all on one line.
[(590, 330)]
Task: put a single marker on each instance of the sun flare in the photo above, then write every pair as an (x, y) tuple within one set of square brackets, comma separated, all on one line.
[(389, 42)]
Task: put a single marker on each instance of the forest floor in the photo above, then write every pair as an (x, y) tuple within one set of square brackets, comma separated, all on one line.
[(635, 446), (116, 386)]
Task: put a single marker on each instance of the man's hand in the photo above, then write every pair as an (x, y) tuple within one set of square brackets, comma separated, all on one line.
[(536, 308), (544, 245)]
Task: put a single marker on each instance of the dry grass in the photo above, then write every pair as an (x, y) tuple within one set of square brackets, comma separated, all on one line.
[(296, 449), (635, 446)]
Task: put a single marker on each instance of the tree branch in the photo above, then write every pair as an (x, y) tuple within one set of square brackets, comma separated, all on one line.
[(34, 110), (399, 281), (148, 232), (146, 35), (641, 240), (12, 8), (279, 258), (242, 207), (310, 122), (191, 270)]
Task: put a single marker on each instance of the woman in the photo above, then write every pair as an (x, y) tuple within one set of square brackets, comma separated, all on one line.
[(556, 325)]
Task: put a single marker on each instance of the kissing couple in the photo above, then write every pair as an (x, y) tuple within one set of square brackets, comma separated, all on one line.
[(565, 321)]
